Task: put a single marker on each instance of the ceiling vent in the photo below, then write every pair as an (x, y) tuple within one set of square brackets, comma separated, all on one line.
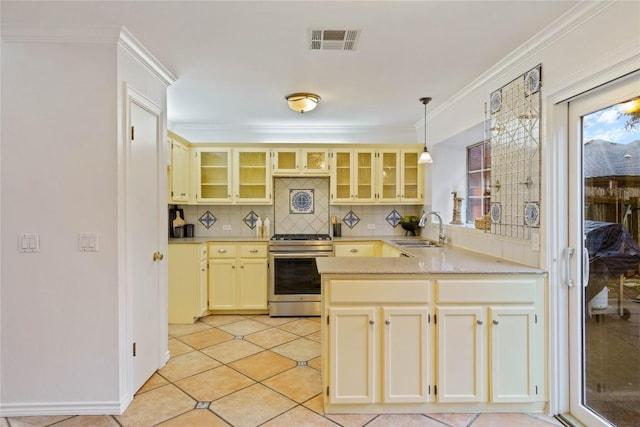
[(334, 39)]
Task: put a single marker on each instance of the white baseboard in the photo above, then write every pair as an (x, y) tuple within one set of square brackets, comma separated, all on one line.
[(63, 408)]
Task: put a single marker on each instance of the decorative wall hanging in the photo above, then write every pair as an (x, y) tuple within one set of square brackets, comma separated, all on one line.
[(515, 111)]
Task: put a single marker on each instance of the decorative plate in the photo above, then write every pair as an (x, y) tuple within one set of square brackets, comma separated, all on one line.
[(532, 81), (496, 101), (496, 212), (532, 214), (301, 201)]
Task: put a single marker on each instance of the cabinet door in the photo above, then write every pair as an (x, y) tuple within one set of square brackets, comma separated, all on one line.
[(461, 349), (512, 352), (411, 177), (406, 356), (203, 288), (179, 172), (389, 176), (222, 284), (253, 180), (341, 190), (352, 355), (364, 176), (253, 284), (214, 175), (285, 161), (315, 161)]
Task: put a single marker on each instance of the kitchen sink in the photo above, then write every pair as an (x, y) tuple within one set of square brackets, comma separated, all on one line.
[(410, 243)]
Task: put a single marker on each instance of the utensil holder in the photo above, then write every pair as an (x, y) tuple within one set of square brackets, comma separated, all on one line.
[(337, 230)]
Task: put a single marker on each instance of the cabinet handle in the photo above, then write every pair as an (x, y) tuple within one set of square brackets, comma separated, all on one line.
[(254, 251), (479, 322), (354, 250), (371, 322), (242, 266), (233, 267), (387, 322), (222, 251), (495, 322)]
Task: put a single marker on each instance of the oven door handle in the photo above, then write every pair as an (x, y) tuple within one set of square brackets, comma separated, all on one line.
[(294, 254)]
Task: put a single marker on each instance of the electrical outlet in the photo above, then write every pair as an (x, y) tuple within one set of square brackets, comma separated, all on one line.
[(371, 226), (226, 228)]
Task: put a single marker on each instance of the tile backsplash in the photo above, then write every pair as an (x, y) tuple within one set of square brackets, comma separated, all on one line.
[(240, 218)]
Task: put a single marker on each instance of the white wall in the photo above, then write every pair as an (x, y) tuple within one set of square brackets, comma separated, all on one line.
[(588, 40), (59, 307), (63, 331)]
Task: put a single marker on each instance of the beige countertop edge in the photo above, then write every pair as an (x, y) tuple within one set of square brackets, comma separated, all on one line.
[(198, 240)]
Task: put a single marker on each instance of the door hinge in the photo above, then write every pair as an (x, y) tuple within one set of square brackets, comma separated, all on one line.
[(327, 390), (429, 389), (435, 319), (134, 349), (327, 320), (535, 318), (435, 390), (428, 318), (133, 132), (536, 389)]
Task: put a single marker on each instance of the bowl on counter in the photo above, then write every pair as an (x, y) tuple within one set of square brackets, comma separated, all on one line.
[(410, 225)]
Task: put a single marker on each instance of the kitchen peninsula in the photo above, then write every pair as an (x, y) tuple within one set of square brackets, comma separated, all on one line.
[(440, 330)]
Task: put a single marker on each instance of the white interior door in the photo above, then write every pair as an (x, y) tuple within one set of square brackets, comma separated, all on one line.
[(602, 374), (143, 237)]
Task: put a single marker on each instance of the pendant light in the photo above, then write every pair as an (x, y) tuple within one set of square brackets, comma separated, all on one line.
[(425, 157)]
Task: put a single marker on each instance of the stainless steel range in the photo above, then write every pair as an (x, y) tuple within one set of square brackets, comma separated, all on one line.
[(294, 282)]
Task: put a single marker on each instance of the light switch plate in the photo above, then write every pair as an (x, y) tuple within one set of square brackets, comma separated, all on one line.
[(29, 243), (88, 242), (226, 228)]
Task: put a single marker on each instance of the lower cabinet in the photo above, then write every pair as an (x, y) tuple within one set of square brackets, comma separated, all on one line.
[(238, 276), (489, 341), (356, 249), (378, 353), (187, 264)]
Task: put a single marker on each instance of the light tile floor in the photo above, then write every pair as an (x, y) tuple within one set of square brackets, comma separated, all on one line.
[(252, 371)]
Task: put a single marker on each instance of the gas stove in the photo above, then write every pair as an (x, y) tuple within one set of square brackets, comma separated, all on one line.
[(299, 237)]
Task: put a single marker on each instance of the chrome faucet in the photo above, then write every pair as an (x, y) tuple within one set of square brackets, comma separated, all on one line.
[(423, 221)]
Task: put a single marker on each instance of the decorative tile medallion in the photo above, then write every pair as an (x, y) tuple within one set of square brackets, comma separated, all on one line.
[(532, 214), (208, 219), (394, 218), (301, 201), (495, 101), (496, 212), (251, 219), (351, 219)]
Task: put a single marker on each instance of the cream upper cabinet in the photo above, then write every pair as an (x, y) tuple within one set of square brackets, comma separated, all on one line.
[(214, 174), (179, 172), (400, 176), (252, 175), (489, 340), (353, 176), (307, 161)]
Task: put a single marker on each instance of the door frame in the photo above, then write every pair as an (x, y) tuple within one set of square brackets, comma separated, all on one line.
[(560, 264), (126, 234)]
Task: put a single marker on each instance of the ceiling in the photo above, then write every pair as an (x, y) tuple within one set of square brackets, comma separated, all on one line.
[(236, 60)]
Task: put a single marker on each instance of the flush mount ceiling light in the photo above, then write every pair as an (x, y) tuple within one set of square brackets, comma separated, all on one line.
[(302, 102), (425, 157)]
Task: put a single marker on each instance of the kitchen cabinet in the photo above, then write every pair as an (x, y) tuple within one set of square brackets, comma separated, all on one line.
[(378, 342), (179, 188), (489, 336), (353, 175), (238, 276), (356, 249), (214, 174), (306, 161), (400, 176), (187, 266), (252, 176)]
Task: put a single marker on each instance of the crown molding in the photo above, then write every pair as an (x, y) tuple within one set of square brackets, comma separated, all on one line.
[(290, 133), (553, 32), (115, 34)]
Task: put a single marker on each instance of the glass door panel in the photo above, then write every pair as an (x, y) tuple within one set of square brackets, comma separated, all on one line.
[(605, 338)]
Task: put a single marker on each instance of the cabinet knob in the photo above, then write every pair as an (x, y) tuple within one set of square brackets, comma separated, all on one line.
[(371, 322), (479, 322), (354, 250), (254, 251), (495, 322), (222, 251), (387, 322)]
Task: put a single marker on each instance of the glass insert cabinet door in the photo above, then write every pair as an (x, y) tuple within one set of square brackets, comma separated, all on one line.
[(604, 131), (252, 183), (214, 175)]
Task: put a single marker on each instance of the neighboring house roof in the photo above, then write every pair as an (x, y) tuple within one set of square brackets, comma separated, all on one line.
[(606, 158)]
